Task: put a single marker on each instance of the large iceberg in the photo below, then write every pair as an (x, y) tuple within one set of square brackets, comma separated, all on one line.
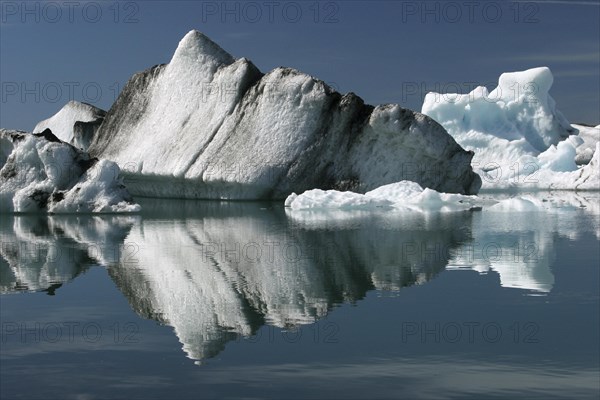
[(519, 138), (40, 173), (207, 125)]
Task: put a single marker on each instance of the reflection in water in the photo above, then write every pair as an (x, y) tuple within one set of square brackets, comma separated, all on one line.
[(40, 253), (521, 251), (214, 271), (519, 246), (223, 270)]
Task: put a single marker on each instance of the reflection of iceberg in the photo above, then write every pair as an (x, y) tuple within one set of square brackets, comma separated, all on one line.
[(176, 282), (214, 271), (520, 255), (226, 273), (515, 238), (42, 253)]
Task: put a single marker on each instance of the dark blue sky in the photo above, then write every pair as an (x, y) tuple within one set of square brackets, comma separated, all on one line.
[(385, 51)]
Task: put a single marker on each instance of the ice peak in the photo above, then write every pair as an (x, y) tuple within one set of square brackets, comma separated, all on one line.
[(532, 82), (79, 105), (62, 123), (197, 47)]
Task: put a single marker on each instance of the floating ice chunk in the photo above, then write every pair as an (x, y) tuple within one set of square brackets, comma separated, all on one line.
[(400, 190), (553, 169), (588, 177), (317, 198), (549, 202), (42, 173), (290, 199), (98, 190), (404, 194), (515, 204)]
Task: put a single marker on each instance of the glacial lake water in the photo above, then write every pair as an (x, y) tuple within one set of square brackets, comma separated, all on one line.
[(195, 299)]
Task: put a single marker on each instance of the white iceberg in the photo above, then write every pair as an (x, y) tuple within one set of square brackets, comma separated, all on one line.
[(519, 138), (207, 125), (40, 173)]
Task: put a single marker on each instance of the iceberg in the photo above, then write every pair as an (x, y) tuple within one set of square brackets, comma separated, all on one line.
[(41, 173), (520, 139), (75, 123), (207, 125)]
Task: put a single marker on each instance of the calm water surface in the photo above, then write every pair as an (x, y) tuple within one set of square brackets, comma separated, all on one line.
[(249, 300)]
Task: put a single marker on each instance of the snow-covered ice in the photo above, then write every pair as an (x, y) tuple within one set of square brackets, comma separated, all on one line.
[(40, 173), (520, 138), (207, 125), (75, 123)]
